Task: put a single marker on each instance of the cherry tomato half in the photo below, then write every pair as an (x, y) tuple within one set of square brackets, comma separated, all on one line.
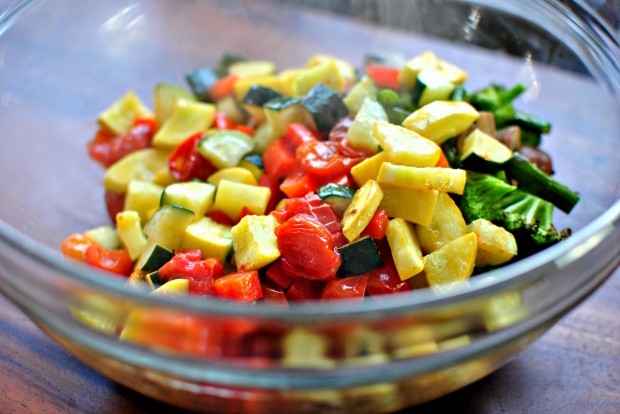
[(186, 163), (107, 148), (116, 261), (307, 248)]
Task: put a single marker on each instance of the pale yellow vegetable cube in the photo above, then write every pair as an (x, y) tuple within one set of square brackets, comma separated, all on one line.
[(360, 134), (143, 197), (326, 72), (496, 245), (485, 147), (255, 242), (193, 195), (119, 118), (446, 225), (252, 68), (173, 288), (452, 263), (406, 147), (428, 60), (368, 169), (104, 236), (140, 165), (405, 248), (363, 206), (449, 180), (210, 237), (242, 86), (130, 232), (416, 206), (236, 174), (286, 78), (347, 71), (188, 118), (231, 197), (440, 120)]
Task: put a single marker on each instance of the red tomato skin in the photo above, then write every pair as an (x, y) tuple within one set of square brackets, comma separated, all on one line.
[(322, 160), (220, 217), (116, 261), (239, 286), (384, 279), (305, 289), (276, 276), (186, 163), (107, 148), (187, 264), (276, 194), (307, 249), (115, 203), (223, 121), (298, 184), (383, 75), (347, 288), (274, 294), (377, 227), (297, 134)]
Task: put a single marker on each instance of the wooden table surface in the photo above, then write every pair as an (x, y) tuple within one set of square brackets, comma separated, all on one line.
[(573, 369)]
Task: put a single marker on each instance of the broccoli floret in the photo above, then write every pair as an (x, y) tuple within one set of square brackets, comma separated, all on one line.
[(528, 217)]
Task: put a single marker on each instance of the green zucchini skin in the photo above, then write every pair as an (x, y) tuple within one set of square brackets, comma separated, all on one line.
[(359, 257), (337, 196), (200, 82), (154, 258), (259, 95), (325, 106)]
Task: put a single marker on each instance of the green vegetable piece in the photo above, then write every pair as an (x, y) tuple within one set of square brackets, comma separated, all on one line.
[(200, 82), (359, 257), (326, 107), (337, 196), (259, 95)]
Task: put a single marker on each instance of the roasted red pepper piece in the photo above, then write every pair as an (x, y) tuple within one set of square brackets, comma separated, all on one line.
[(384, 76), (377, 227), (305, 289), (239, 286), (115, 203), (75, 246), (116, 261), (385, 279), (188, 264), (186, 163), (107, 148), (278, 159)]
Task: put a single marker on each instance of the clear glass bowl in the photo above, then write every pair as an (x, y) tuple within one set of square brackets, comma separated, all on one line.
[(62, 62)]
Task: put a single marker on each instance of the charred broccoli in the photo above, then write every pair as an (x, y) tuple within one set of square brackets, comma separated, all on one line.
[(526, 216)]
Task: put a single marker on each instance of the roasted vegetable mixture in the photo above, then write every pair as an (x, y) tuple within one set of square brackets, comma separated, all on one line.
[(319, 182)]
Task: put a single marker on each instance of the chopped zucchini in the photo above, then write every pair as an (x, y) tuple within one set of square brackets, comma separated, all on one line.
[(281, 112), (482, 152), (428, 60), (441, 120), (142, 197), (254, 164), (166, 96), (496, 245), (200, 82), (263, 137), (450, 180), (120, 117), (231, 197), (355, 98), (325, 106), (259, 95), (167, 225), (405, 248), (175, 287), (236, 174), (416, 206), (360, 133), (229, 106), (187, 119), (140, 165), (104, 236), (363, 206), (210, 237), (338, 196), (243, 85), (252, 68), (452, 263), (431, 85), (359, 257), (346, 70), (326, 73), (405, 147), (225, 148), (193, 195), (153, 257), (130, 232), (368, 169), (447, 224), (254, 242)]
